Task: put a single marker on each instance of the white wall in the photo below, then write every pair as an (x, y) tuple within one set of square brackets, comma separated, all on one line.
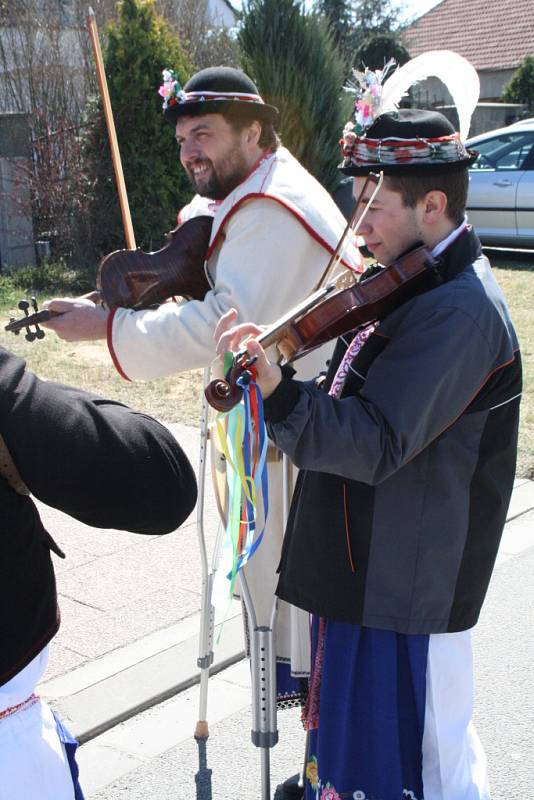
[(220, 14)]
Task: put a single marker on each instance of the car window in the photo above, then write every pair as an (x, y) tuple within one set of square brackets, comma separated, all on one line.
[(505, 152)]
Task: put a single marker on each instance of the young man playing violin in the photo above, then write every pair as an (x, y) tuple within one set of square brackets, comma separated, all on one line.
[(407, 456)]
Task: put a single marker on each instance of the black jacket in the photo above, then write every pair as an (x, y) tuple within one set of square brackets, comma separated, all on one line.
[(96, 460), (406, 479)]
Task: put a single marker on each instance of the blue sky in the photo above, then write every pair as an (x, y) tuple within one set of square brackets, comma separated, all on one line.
[(414, 8)]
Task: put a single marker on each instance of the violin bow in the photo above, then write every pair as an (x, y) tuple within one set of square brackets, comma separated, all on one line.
[(351, 227), (112, 134)]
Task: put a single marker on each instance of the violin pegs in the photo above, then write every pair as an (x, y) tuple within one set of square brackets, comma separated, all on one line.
[(39, 333), (24, 306), (30, 335)]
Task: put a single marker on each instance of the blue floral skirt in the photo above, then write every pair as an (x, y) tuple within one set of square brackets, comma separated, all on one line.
[(368, 744)]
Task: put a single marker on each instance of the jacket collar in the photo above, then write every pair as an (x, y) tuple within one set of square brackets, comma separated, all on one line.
[(460, 254)]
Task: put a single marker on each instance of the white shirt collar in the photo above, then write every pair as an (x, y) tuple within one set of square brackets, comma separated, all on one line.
[(441, 246)]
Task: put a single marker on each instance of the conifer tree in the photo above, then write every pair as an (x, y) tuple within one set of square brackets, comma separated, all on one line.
[(339, 16), (521, 86), (378, 49), (355, 22), (293, 59), (140, 44)]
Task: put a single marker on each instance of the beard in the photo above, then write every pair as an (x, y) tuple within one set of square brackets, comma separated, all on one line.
[(220, 180)]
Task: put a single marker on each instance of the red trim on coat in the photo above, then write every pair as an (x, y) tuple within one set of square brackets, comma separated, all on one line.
[(305, 225), (111, 349), (347, 531)]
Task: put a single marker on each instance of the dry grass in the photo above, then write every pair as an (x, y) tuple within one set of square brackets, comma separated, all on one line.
[(88, 365), (178, 398), (516, 278)]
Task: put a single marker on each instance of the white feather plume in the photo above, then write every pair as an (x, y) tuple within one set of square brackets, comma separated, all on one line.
[(458, 75)]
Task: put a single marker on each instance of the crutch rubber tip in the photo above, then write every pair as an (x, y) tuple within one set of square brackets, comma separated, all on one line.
[(201, 730)]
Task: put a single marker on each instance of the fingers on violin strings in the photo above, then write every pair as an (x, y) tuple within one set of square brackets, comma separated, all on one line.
[(225, 322), (256, 351), (234, 339)]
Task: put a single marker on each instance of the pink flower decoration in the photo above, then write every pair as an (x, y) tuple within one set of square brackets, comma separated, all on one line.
[(329, 793)]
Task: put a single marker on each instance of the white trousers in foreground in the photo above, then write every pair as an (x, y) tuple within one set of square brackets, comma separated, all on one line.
[(33, 763)]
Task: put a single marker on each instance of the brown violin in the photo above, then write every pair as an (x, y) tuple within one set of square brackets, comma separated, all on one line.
[(330, 312), (135, 279)]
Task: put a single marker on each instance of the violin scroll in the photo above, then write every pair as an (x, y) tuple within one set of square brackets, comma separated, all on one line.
[(223, 395), (29, 320)]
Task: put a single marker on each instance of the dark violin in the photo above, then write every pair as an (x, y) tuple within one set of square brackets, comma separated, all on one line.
[(135, 279), (330, 312)]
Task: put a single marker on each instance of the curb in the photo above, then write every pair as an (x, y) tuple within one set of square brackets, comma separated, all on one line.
[(102, 704)]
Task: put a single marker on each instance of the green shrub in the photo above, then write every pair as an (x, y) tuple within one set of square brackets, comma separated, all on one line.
[(521, 87), (139, 46), (50, 278)]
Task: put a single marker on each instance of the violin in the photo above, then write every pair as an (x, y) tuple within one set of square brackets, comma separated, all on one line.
[(135, 279), (330, 312)]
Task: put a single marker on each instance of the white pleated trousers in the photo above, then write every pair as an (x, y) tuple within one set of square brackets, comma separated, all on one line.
[(454, 762)]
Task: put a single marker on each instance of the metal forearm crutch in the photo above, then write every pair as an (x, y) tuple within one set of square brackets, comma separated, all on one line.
[(207, 613), (264, 733)]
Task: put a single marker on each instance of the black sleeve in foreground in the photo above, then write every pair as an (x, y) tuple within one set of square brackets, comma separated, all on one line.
[(96, 460)]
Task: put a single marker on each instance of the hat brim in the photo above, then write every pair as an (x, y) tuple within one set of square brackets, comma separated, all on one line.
[(261, 111), (423, 168)]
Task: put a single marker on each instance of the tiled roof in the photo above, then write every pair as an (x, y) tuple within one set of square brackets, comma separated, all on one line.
[(491, 34)]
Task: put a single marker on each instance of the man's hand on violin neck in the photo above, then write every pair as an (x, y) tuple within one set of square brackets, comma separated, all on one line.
[(268, 375), (80, 319), (232, 338)]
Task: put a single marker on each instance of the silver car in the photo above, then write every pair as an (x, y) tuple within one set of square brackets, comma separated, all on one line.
[(500, 203)]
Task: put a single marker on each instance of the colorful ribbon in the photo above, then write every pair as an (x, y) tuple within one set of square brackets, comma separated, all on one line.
[(243, 440)]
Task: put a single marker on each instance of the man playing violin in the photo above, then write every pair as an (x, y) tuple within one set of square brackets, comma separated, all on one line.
[(274, 230), (406, 457), (125, 471)]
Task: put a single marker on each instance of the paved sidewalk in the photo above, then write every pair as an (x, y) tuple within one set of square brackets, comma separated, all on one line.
[(130, 608), (154, 755), (129, 636)]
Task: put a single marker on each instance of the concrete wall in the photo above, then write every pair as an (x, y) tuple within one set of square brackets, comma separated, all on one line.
[(16, 229), (493, 82)]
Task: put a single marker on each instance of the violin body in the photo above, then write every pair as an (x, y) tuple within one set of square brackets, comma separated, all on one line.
[(135, 279), (333, 312), (366, 301)]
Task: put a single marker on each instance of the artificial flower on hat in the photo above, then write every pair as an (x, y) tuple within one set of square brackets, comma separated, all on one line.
[(382, 136)]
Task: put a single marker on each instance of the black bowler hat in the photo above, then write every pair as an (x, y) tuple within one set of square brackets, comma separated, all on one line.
[(409, 141), (214, 90)]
